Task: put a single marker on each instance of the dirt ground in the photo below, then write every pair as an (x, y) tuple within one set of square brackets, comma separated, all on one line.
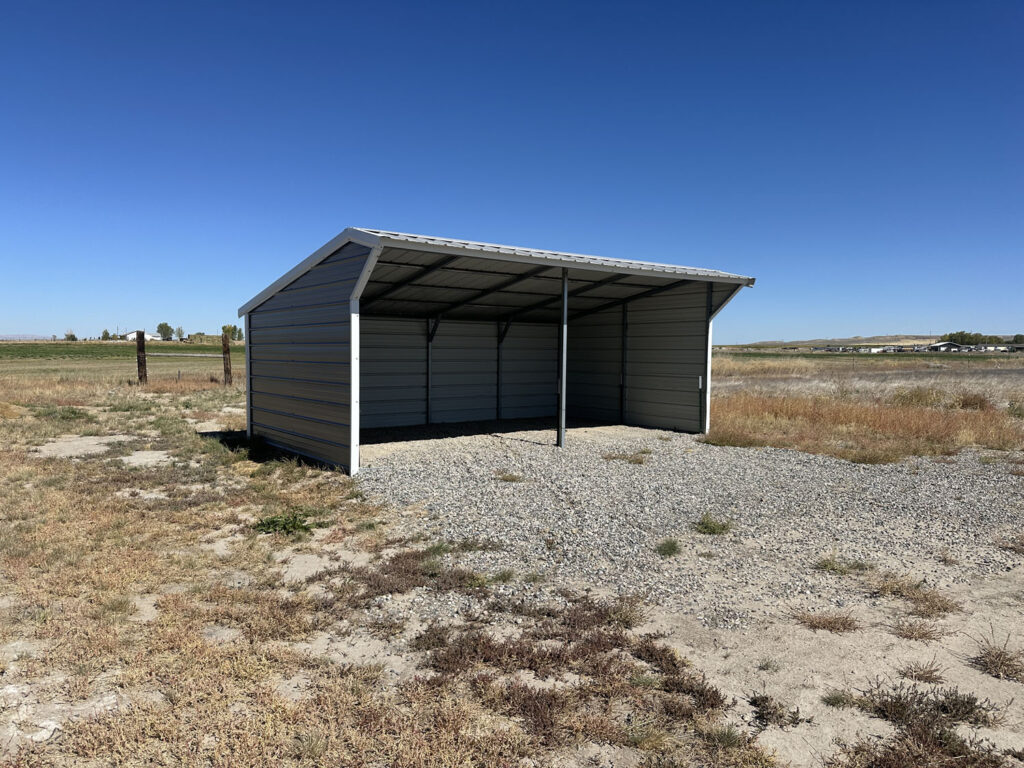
[(170, 597)]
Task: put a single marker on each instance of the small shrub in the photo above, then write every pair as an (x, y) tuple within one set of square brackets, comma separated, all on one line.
[(831, 621), (504, 576), (710, 526), (927, 601), (636, 457), (289, 524), (1016, 409), (668, 548), (917, 629), (998, 660), (839, 699), (770, 711), (768, 664), (973, 401), (510, 477), (922, 672), (841, 566), (920, 397)]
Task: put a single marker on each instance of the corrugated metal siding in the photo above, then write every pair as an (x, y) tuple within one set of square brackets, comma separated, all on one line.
[(393, 360), (300, 354), (529, 371), (463, 372), (666, 355), (593, 366)]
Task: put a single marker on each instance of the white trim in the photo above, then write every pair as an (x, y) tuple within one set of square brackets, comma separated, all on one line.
[(248, 381), (707, 384), (350, 235), (364, 276), (353, 378)]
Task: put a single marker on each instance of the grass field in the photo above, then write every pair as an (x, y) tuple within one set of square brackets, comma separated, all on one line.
[(102, 350), (172, 599)]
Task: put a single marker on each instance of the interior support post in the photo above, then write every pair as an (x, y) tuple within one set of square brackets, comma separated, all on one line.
[(502, 333), (622, 363), (562, 349), (431, 332)]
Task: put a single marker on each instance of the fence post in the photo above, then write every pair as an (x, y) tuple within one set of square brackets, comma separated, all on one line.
[(225, 348), (140, 355)]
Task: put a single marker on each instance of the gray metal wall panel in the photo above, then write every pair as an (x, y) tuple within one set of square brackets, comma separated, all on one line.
[(529, 371), (301, 360), (462, 350), (393, 372), (594, 363)]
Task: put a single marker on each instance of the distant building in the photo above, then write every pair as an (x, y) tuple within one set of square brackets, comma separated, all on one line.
[(147, 336), (946, 346)]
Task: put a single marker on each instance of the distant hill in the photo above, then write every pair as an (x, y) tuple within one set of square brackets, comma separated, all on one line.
[(905, 338)]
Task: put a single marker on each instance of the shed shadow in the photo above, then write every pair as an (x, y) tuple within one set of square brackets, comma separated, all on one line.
[(508, 429)]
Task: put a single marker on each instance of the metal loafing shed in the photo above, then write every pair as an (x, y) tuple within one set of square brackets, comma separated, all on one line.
[(385, 329)]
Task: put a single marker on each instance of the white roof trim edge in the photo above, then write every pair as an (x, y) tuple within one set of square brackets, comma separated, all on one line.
[(381, 238)]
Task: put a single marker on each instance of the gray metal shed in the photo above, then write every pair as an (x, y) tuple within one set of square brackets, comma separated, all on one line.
[(385, 329)]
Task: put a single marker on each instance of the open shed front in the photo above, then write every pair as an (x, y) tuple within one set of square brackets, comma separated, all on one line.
[(383, 329)]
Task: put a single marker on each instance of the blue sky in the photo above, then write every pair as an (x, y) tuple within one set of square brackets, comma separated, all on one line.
[(165, 161)]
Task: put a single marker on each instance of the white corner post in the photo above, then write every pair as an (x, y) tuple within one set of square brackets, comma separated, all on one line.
[(353, 385), (248, 379), (705, 395), (562, 350), (353, 347)]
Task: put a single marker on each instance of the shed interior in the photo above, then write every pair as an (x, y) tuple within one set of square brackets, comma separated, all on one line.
[(449, 338)]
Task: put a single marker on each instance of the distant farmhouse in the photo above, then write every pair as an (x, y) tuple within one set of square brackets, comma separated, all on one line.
[(147, 336)]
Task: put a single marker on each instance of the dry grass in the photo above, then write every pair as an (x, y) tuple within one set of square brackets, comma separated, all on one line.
[(85, 543), (633, 457), (922, 672), (917, 629), (926, 722), (999, 660), (831, 621), (858, 431), (1013, 544), (926, 601)]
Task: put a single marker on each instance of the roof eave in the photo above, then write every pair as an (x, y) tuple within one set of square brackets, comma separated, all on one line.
[(350, 235), (611, 265)]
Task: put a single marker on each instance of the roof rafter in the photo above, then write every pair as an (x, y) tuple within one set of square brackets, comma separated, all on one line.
[(494, 289), (423, 272), (642, 295), (574, 292)]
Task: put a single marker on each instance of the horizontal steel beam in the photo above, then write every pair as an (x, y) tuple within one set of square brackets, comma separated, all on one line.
[(494, 289)]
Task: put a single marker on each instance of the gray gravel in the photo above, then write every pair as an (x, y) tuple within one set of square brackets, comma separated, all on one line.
[(581, 520)]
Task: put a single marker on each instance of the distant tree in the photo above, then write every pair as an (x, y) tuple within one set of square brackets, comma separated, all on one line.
[(234, 332), (179, 333), (1018, 338), (165, 331), (105, 336), (969, 338), (69, 335)]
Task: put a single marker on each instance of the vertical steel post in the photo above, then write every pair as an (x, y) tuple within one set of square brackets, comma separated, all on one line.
[(497, 387), (562, 349), (622, 365), (430, 344)]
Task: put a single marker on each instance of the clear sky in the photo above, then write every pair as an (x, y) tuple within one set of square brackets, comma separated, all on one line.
[(864, 160)]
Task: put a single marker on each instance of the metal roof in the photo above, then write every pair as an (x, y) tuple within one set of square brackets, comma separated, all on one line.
[(472, 253)]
